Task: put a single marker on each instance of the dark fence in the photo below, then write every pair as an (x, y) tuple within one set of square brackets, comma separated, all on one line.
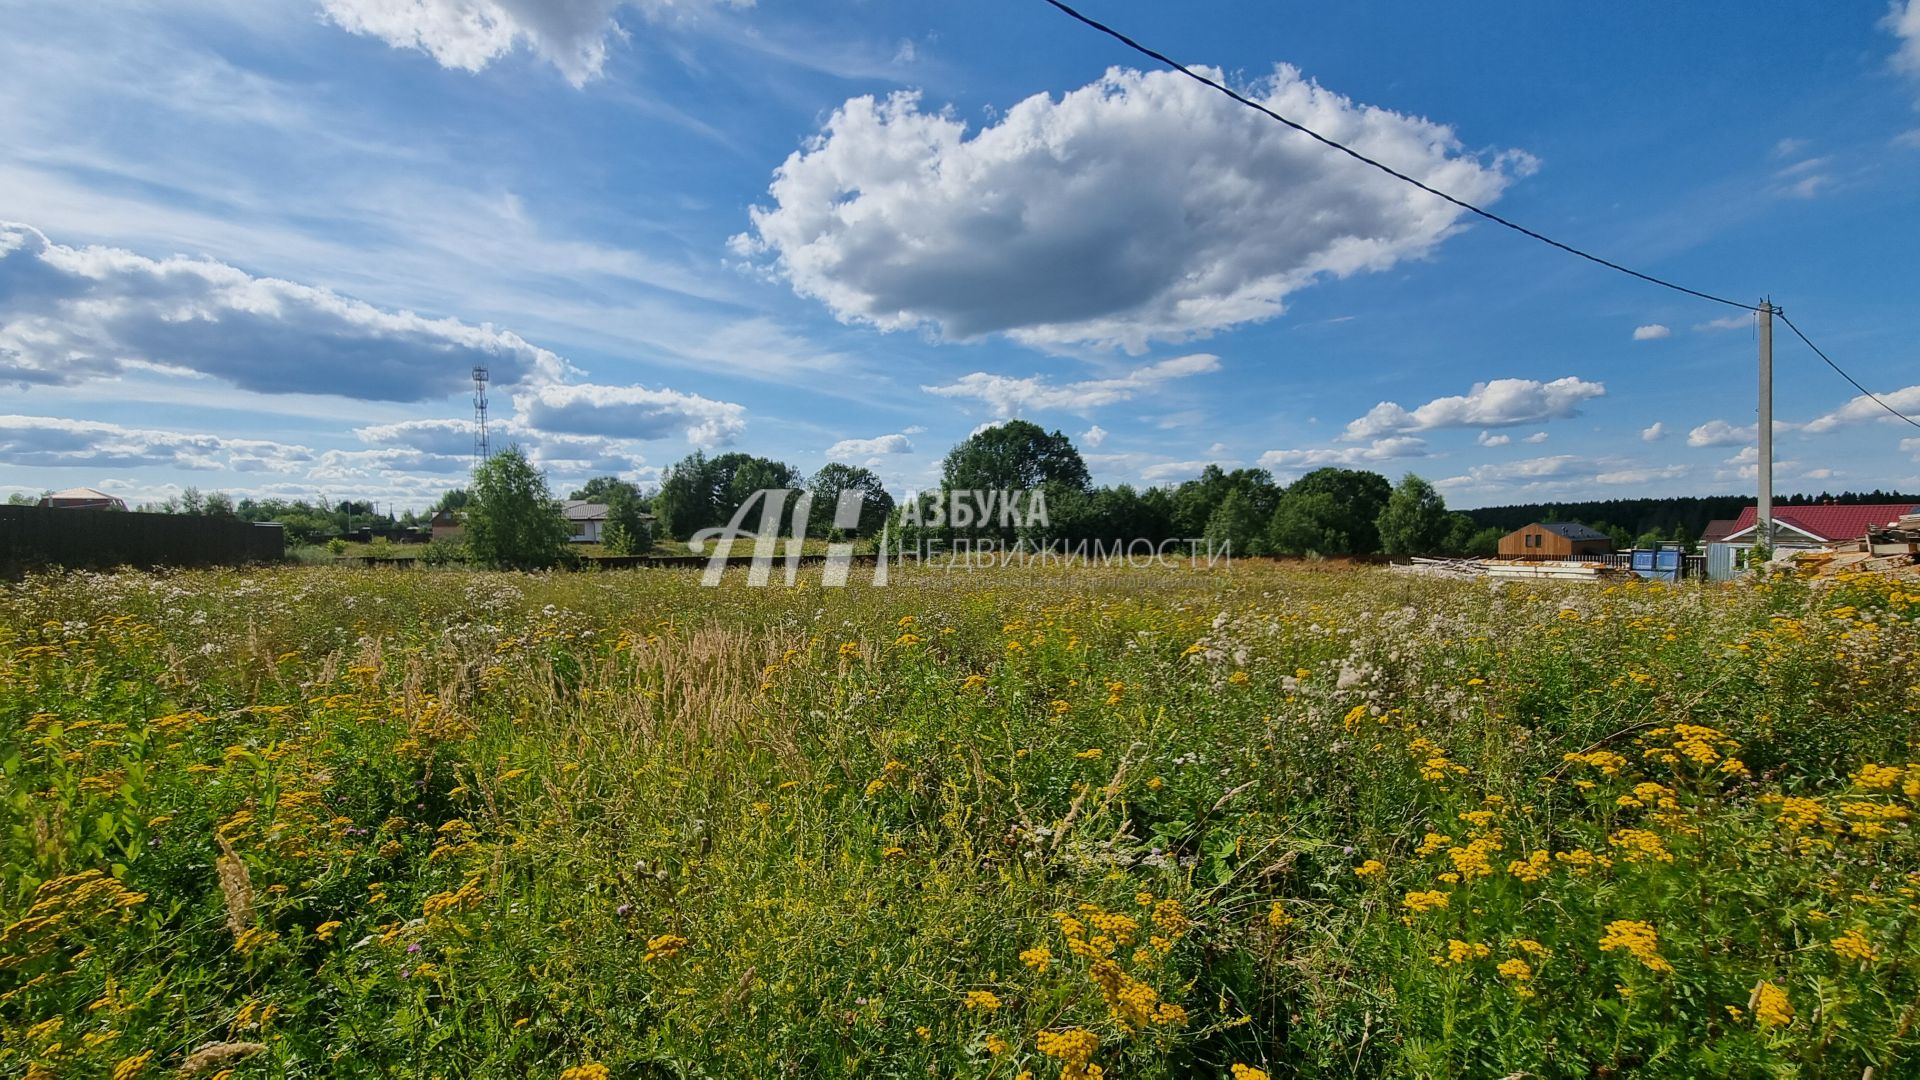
[(33, 536)]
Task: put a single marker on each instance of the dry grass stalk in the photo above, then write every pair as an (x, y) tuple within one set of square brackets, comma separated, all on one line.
[(209, 1057), (236, 886)]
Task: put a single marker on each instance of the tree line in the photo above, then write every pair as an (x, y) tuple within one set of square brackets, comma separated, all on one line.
[(512, 519)]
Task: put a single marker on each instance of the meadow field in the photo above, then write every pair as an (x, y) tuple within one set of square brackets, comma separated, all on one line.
[(323, 822)]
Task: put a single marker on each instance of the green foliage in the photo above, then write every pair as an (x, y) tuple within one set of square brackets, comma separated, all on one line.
[(701, 492), (445, 551), (1236, 526), (826, 486), (1014, 456), (337, 546), (1485, 542), (1415, 520), (512, 521), (608, 489), (1196, 501)]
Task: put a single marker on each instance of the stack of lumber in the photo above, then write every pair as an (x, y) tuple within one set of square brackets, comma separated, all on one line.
[(1514, 569), (1833, 563), (1447, 568), (1902, 537)]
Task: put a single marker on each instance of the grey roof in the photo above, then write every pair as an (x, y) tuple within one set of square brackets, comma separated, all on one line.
[(576, 510), (1573, 530)]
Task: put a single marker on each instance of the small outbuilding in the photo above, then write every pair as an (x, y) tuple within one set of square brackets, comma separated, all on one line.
[(446, 525), (1554, 540)]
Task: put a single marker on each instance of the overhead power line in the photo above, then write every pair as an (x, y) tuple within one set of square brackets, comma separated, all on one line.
[(1856, 382), (1461, 203), (1388, 169)]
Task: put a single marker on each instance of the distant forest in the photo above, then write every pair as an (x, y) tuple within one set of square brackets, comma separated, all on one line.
[(1641, 516)]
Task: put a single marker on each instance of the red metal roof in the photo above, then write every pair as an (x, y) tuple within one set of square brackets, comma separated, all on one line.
[(1717, 529), (1829, 522)]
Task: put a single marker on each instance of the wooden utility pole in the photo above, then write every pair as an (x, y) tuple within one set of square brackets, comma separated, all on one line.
[(1763, 522)]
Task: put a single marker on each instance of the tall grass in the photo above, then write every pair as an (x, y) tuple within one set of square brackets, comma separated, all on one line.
[(330, 822)]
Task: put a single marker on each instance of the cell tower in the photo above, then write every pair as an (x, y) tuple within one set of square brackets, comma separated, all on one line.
[(480, 450)]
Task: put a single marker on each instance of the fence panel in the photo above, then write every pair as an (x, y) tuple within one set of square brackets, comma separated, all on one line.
[(33, 536)]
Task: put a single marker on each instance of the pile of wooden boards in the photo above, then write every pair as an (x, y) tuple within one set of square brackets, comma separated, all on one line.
[(1902, 537), (1830, 563), (1512, 569)]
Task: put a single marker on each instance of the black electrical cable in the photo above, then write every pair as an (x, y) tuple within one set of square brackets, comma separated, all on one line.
[(1843, 374), (1389, 170)]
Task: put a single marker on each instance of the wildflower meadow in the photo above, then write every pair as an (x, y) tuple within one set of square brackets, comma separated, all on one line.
[(1063, 823)]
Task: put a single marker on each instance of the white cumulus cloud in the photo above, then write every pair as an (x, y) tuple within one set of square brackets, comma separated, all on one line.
[(1905, 24), (49, 441), (877, 446), (434, 436), (1499, 403), (1653, 432), (1291, 461), (1721, 433), (1488, 438), (1141, 207), (1094, 436), (1863, 408), (1651, 332), (70, 314), (1010, 397), (470, 34), (630, 412)]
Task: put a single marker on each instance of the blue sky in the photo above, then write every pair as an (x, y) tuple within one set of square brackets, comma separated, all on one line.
[(256, 245)]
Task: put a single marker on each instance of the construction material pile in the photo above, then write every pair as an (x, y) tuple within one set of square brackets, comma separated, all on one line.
[(1893, 548)]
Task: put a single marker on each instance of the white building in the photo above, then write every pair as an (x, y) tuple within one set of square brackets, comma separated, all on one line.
[(585, 519)]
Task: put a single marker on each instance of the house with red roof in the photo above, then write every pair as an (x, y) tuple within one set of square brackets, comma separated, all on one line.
[(1794, 527), (1813, 526)]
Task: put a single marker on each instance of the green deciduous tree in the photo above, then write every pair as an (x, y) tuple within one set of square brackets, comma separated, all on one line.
[(1195, 501), (1358, 496), (512, 519), (1014, 456), (1236, 526), (1415, 520), (702, 492), (826, 487), (1484, 542), (1310, 523)]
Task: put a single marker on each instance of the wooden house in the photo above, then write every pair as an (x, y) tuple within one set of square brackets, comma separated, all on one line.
[(1554, 540)]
